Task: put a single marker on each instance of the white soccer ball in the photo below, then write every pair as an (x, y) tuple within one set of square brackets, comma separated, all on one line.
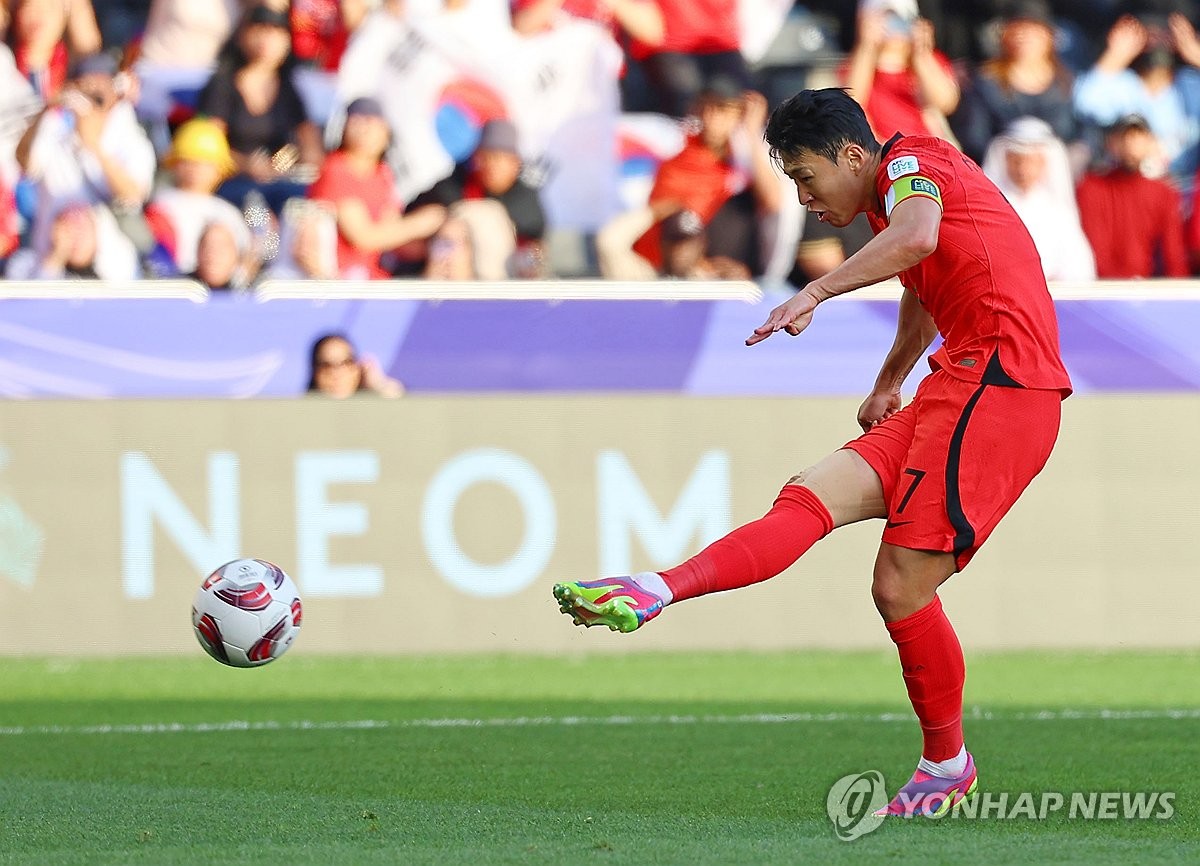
[(247, 613)]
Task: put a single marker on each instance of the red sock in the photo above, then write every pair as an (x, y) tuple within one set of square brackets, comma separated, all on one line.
[(934, 673), (756, 551)]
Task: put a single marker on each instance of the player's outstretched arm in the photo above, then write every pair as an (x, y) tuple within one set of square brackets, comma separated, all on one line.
[(914, 332), (911, 235)]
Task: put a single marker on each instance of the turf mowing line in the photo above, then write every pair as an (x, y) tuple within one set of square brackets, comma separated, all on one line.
[(543, 721)]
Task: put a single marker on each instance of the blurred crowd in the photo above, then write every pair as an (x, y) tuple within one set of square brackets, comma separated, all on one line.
[(232, 141)]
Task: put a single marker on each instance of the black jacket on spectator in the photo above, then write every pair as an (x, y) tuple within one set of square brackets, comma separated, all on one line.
[(249, 132), (988, 107), (521, 201)]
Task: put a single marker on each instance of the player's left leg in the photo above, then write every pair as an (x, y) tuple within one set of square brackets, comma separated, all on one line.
[(975, 449), (905, 593)]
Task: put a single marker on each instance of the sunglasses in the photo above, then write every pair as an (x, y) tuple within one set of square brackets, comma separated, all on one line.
[(327, 364)]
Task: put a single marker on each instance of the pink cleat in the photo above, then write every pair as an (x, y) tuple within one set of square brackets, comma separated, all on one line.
[(932, 796), (620, 603)]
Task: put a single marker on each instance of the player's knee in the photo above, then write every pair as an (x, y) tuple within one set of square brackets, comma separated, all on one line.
[(888, 592), (895, 593)]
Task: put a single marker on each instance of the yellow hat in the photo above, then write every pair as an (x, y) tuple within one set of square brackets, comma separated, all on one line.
[(202, 140)]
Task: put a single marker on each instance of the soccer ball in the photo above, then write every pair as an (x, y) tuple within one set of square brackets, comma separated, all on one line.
[(246, 613)]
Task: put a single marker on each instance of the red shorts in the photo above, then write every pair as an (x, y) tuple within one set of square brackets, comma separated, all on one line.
[(956, 458)]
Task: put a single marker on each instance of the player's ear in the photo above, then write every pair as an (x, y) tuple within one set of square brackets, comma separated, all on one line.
[(855, 157)]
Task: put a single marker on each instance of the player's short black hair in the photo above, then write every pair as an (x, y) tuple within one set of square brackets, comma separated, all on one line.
[(819, 121)]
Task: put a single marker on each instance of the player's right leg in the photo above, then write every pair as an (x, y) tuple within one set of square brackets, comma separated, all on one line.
[(841, 489)]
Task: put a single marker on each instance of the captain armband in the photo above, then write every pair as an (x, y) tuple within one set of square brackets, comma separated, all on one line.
[(910, 187)]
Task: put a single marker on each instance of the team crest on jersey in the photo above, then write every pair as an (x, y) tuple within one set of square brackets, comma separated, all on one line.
[(903, 165)]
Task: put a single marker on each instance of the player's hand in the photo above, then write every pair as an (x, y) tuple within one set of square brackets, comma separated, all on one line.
[(792, 317), (878, 407)]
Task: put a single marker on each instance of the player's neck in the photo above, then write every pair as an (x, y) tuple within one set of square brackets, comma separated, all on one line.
[(873, 203)]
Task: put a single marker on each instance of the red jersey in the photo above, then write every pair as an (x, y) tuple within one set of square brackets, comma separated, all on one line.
[(695, 27), (894, 104), (983, 285), (1134, 224), (318, 32), (698, 179), (338, 182)]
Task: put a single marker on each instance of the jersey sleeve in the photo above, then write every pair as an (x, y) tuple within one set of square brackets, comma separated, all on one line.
[(905, 175)]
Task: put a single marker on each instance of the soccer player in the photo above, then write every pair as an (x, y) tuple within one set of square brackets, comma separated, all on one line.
[(941, 471)]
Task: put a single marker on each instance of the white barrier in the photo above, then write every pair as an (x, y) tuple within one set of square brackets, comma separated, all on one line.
[(554, 290), (95, 290)]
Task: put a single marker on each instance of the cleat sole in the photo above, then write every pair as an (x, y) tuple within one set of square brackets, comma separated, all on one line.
[(617, 615)]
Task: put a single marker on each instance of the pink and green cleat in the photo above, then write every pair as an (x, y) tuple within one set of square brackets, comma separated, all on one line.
[(620, 603), (933, 796)]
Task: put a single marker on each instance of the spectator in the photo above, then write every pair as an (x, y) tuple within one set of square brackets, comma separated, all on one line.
[(308, 242), (199, 160), (477, 242), (1132, 221), (359, 187), (251, 94), (220, 261), (1139, 73), (321, 29), (83, 242), (88, 149), (700, 40), (957, 23), (904, 85), (45, 34), (1027, 79), (176, 57), (494, 172), (451, 256), (823, 247), (723, 174), (335, 371), (1030, 166), (897, 75), (683, 244)]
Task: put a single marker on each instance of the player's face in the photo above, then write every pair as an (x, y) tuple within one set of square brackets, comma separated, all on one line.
[(836, 192)]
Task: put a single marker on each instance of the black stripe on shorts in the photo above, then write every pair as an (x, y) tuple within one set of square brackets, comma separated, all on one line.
[(964, 532)]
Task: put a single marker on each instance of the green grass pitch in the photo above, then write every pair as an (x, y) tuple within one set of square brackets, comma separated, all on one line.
[(632, 759)]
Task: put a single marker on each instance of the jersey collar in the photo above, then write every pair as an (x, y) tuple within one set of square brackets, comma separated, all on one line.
[(888, 146)]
